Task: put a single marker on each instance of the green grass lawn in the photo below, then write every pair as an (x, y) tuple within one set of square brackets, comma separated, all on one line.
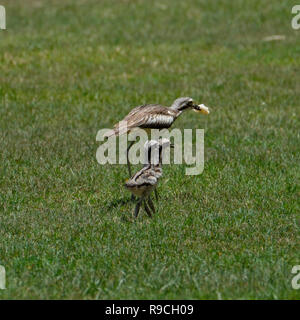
[(69, 68)]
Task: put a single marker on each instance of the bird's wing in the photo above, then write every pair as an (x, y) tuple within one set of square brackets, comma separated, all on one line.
[(146, 176), (129, 122), (149, 115), (145, 116), (145, 179), (136, 110)]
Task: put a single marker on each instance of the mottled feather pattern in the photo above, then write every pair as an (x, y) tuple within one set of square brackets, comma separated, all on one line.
[(146, 176), (150, 116), (144, 181)]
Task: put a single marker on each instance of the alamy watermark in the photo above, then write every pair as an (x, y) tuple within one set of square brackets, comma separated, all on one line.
[(296, 19), (188, 147), (2, 278), (2, 18), (296, 278)]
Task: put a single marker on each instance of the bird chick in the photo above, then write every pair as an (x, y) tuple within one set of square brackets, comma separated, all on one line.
[(145, 180)]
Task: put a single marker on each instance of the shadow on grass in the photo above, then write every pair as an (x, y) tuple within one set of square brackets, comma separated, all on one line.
[(117, 203)]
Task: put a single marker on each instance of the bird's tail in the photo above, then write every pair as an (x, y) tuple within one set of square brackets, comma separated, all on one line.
[(111, 133), (119, 129)]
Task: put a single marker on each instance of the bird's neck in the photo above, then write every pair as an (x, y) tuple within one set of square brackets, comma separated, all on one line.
[(177, 108)]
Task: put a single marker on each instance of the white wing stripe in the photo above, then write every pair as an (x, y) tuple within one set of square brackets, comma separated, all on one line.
[(160, 119)]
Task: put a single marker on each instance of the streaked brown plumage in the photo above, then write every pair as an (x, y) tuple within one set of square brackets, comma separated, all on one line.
[(153, 116), (145, 180)]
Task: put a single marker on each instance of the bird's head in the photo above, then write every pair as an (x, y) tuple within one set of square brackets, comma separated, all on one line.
[(181, 104), (185, 103), (165, 143), (151, 148), (150, 144), (154, 150)]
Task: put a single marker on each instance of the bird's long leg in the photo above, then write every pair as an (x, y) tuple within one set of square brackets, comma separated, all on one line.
[(147, 209), (128, 164), (151, 205), (137, 208), (127, 154)]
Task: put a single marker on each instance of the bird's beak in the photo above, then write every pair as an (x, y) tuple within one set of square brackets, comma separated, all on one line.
[(201, 108)]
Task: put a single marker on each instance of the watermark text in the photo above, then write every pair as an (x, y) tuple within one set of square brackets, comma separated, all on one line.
[(296, 19), (296, 278), (188, 147), (2, 18), (2, 278)]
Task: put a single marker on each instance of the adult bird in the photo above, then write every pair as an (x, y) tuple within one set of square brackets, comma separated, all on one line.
[(145, 180), (154, 116)]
